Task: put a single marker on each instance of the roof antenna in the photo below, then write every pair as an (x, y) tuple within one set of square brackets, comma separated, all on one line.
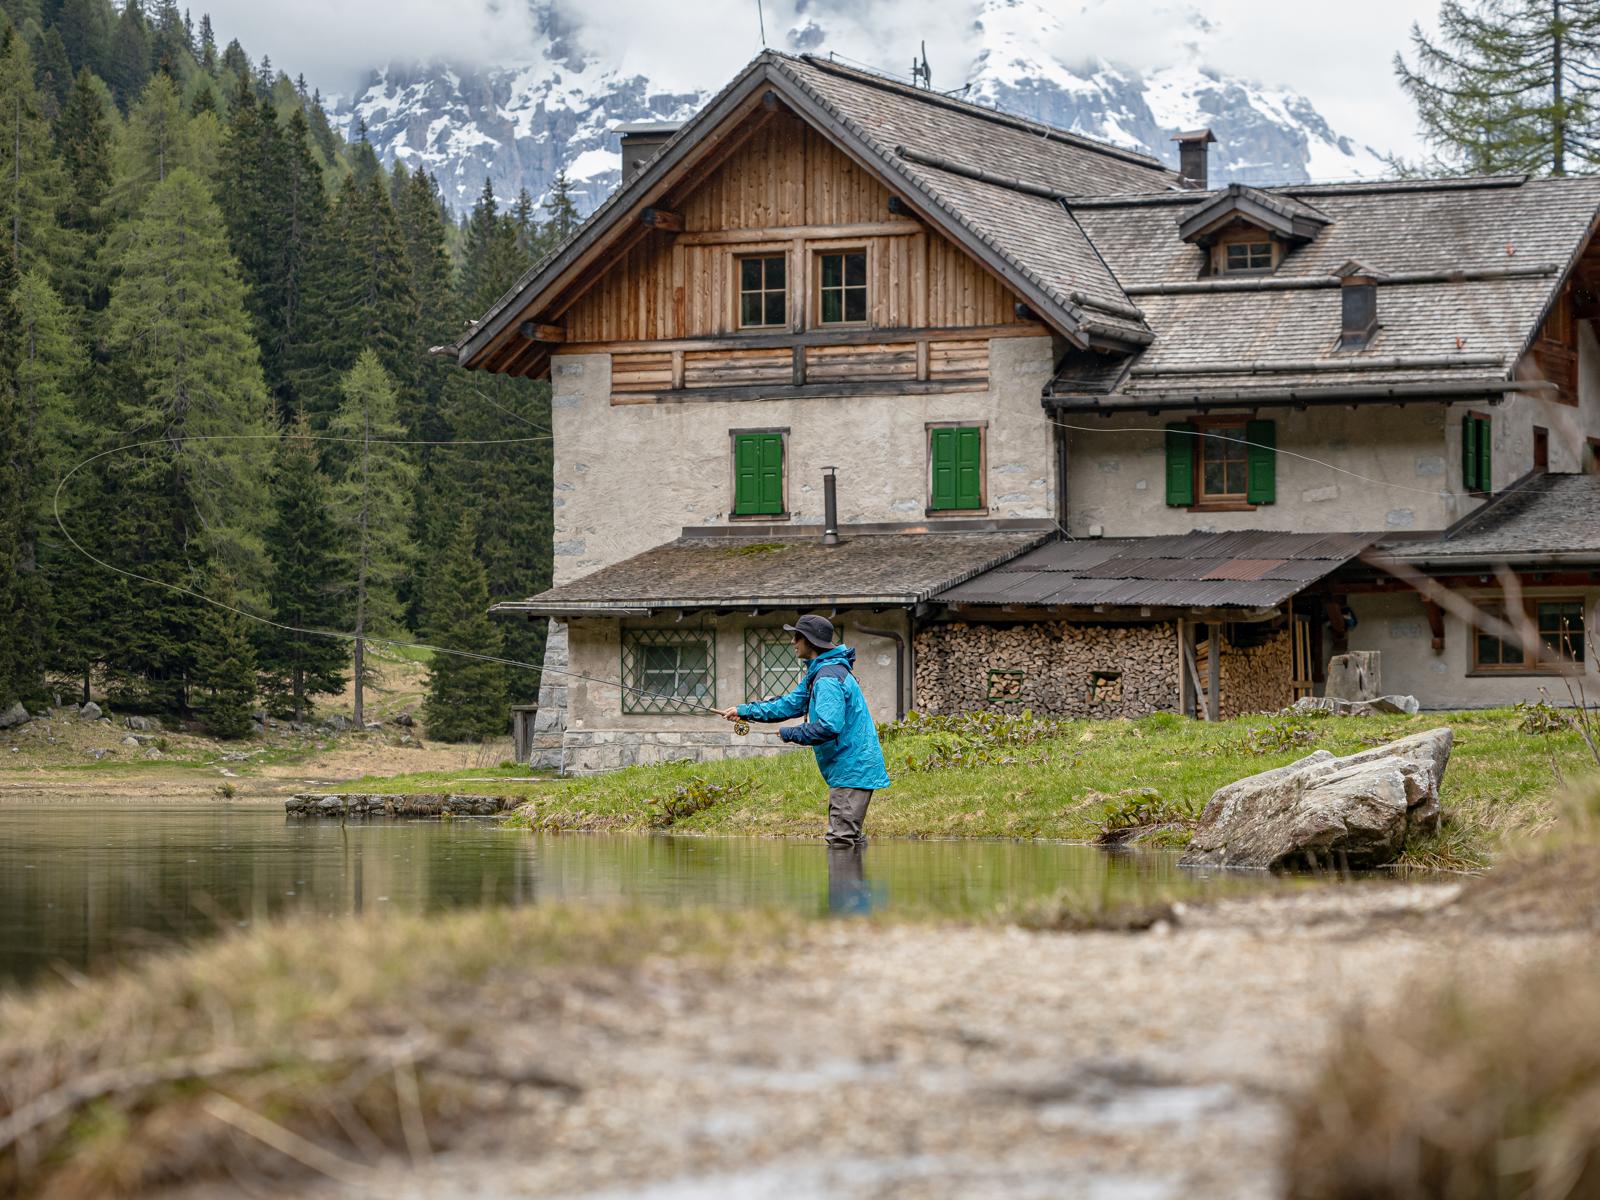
[(920, 71), (762, 18)]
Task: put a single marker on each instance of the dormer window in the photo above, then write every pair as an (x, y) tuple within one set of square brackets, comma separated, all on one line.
[(1247, 256), (1358, 304)]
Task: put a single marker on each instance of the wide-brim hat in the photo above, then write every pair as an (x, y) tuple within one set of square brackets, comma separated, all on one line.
[(816, 630)]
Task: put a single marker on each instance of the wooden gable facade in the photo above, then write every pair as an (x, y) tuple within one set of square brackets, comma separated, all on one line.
[(667, 307)]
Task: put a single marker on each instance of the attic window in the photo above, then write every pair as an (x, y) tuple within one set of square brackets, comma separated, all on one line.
[(1247, 256)]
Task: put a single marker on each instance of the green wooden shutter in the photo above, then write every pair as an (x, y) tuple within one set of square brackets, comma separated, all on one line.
[(1469, 453), (1180, 463), (1261, 460), (969, 468), (746, 473), (770, 473), (757, 474), (1485, 464), (942, 449)]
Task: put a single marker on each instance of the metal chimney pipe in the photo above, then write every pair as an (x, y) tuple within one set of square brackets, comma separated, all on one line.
[(830, 508)]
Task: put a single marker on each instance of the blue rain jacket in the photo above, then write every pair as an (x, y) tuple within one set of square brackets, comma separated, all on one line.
[(838, 727)]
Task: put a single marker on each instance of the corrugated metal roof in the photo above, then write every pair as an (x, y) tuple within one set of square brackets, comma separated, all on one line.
[(1247, 569)]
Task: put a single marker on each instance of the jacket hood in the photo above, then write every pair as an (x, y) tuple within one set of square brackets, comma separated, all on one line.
[(844, 655)]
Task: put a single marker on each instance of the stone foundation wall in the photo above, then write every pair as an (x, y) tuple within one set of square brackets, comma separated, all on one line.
[(1256, 678), (1058, 668), (589, 751), (550, 722)]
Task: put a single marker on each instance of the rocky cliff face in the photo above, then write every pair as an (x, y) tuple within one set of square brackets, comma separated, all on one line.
[(518, 125)]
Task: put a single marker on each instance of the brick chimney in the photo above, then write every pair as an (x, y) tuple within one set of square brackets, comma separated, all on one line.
[(1192, 157), (641, 141)]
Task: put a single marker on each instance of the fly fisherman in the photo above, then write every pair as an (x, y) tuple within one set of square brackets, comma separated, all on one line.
[(838, 726)]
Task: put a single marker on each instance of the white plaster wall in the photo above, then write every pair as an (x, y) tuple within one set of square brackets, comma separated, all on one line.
[(1395, 625), (629, 477), (1117, 480), (595, 649)]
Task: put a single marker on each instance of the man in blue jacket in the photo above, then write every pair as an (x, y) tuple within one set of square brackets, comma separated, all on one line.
[(838, 727)]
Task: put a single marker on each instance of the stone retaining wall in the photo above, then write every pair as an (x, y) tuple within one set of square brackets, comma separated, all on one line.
[(418, 804), (591, 750), (1059, 668)]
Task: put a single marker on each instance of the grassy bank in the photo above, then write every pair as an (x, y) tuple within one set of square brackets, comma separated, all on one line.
[(1058, 779), (317, 1046)]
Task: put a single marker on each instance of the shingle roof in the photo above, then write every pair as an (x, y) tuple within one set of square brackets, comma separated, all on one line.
[(1035, 237), (783, 572), (1248, 569), (1281, 332), (1547, 516)]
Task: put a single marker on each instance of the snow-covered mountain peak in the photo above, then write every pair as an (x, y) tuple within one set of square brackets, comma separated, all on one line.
[(557, 107)]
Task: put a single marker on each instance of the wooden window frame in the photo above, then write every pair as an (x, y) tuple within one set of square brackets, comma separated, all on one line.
[(1253, 236), (786, 292), (733, 477), (814, 282), (1226, 501), (983, 468), (1530, 604)]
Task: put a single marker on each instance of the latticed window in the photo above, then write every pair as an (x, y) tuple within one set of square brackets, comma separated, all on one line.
[(1224, 470), (668, 670), (770, 666)]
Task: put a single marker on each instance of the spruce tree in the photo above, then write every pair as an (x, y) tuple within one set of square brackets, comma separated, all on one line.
[(153, 143), (224, 680), (50, 372), (466, 697), (14, 451), (129, 60), (54, 73), (561, 213), (306, 584), (177, 321), (1509, 86), (30, 176), (372, 505), (358, 297), (83, 141), (492, 260), (85, 33)]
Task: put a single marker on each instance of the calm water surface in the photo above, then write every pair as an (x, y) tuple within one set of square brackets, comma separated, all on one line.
[(84, 885)]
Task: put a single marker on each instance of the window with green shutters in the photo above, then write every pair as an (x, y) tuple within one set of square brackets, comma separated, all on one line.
[(1477, 474), (757, 474), (1224, 463), (956, 463)]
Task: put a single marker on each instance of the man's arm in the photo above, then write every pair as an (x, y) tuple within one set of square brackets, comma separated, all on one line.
[(780, 708), (827, 715)]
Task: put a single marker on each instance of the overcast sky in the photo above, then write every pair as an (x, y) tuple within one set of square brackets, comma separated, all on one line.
[(1339, 56)]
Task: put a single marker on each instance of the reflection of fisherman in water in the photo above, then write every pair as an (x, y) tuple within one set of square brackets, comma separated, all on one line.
[(848, 889)]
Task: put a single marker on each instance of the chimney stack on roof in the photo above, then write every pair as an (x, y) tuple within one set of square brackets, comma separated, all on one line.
[(1192, 157), (1358, 304), (641, 141)]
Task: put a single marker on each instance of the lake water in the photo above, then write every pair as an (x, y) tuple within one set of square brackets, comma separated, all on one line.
[(85, 885)]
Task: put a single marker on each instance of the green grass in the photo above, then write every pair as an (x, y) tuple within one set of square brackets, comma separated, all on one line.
[(1501, 780)]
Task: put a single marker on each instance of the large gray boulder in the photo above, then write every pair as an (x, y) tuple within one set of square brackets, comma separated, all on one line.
[(14, 716), (1400, 705), (1324, 811), (90, 711)]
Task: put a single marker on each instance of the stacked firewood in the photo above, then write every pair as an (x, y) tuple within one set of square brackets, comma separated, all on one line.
[(1067, 669)]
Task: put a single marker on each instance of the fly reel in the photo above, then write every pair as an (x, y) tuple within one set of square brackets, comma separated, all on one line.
[(741, 727)]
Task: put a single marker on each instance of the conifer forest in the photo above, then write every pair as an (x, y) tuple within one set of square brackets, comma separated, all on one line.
[(215, 318)]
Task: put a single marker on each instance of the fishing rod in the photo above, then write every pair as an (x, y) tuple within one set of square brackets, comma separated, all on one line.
[(740, 727)]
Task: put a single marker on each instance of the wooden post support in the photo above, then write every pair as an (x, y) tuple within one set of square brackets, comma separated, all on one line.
[(1214, 670), (663, 219), (536, 332), (1435, 624)]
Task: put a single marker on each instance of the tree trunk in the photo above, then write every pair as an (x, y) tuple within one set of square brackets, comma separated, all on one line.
[(1558, 133)]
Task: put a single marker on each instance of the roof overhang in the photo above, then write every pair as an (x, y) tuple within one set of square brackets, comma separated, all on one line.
[(717, 127)]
